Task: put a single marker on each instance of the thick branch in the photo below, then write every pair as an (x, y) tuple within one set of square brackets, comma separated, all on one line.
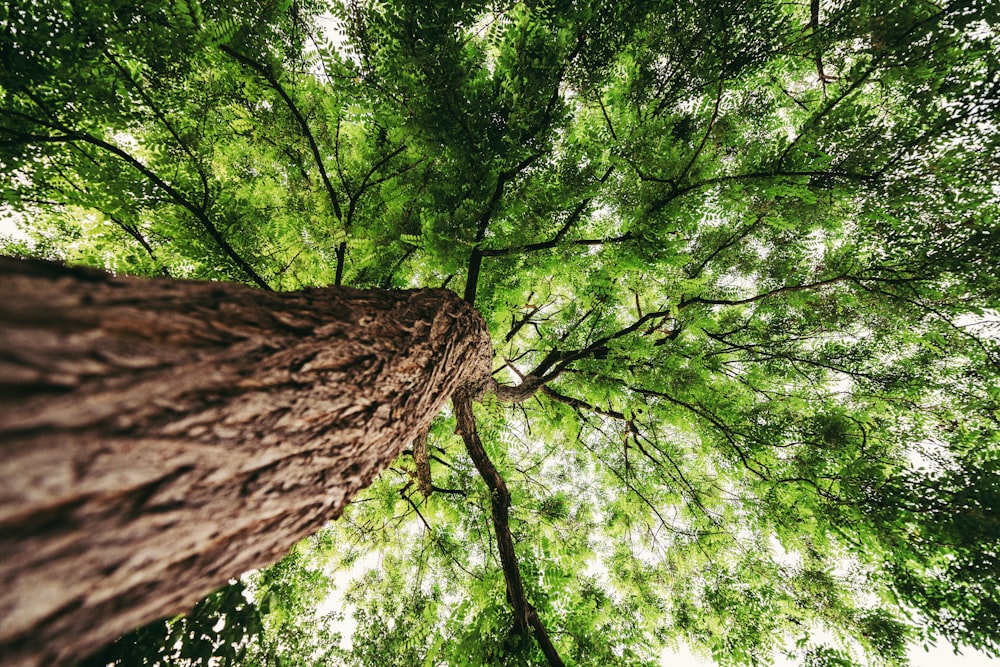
[(563, 359), (525, 614), (578, 404), (557, 361)]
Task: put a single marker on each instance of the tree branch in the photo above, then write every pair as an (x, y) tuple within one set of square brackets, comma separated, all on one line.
[(708, 132), (720, 426), (525, 615), (765, 295), (264, 71), (580, 406), (69, 136), (677, 192), (423, 464), (131, 230), (556, 362), (728, 243), (571, 220), (476, 258), (272, 80), (160, 116)]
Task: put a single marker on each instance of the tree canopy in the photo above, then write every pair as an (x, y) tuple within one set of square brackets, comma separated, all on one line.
[(739, 265)]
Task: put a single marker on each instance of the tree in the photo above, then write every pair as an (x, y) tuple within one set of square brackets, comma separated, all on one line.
[(733, 259), (161, 438)]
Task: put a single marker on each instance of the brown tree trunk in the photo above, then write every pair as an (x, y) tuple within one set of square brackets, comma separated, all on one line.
[(159, 437)]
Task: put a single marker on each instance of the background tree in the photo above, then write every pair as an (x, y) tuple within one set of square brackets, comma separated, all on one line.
[(735, 260)]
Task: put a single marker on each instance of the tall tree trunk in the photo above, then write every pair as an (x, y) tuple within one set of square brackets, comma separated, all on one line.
[(159, 437)]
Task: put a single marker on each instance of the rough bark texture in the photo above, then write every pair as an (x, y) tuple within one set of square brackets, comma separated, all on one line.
[(159, 437)]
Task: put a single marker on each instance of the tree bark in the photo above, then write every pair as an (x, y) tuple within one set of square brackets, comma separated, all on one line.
[(160, 437)]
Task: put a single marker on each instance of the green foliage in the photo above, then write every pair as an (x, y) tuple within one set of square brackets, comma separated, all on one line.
[(268, 618), (750, 251), (217, 629)]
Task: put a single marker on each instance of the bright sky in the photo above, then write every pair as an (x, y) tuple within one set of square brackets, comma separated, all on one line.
[(8, 227)]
